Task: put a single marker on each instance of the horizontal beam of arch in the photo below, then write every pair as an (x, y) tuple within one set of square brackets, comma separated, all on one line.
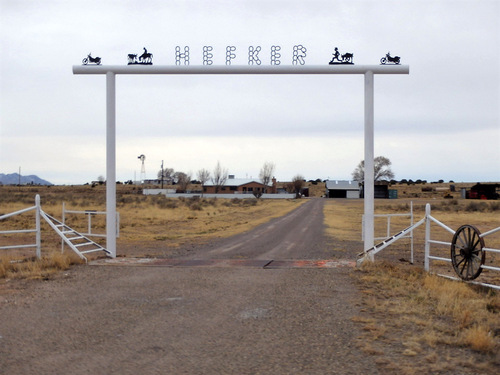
[(241, 69), (112, 70)]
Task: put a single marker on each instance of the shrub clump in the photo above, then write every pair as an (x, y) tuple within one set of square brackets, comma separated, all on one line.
[(476, 207), (196, 206), (250, 202)]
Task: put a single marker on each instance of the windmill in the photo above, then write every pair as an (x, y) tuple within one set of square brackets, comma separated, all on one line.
[(142, 157)]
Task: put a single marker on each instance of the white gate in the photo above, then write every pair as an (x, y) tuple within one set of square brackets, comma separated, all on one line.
[(78, 242), (468, 258)]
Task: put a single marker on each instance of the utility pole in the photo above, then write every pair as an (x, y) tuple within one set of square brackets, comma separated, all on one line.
[(162, 174)]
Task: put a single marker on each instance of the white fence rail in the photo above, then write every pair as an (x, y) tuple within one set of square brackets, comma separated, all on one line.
[(428, 257), (429, 241), (36, 230)]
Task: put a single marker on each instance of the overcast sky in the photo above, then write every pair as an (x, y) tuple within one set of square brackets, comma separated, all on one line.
[(442, 121)]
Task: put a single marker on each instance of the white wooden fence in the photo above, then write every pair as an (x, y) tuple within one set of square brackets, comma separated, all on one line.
[(78, 242), (36, 230), (428, 257)]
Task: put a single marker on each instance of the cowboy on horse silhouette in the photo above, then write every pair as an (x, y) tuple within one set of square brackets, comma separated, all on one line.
[(146, 57)]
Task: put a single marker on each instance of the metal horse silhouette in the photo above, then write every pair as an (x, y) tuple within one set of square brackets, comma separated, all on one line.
[(346, 58), (91, 60), (389, 59), (145, 59)]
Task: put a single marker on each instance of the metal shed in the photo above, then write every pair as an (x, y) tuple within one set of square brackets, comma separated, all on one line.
[(342, 189)]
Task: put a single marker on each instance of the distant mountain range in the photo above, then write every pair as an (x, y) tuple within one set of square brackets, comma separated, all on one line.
[(13, 179)]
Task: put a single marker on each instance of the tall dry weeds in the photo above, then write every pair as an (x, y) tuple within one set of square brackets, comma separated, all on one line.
[(435, 314), (33, 268)]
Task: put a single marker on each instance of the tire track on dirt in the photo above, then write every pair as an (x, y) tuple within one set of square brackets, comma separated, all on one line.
[(297, 235)]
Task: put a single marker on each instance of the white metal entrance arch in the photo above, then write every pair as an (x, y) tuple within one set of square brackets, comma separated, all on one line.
[(112, 70)]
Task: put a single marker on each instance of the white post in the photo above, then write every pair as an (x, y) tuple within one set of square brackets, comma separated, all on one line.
[(369, 163), (38, 228), (411, 233), (427, 236), (64, 222), (89, 223), (388, 226), (111, 163)]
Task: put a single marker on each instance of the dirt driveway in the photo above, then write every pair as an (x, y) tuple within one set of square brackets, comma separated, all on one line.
[(298, 235), (193, 320)]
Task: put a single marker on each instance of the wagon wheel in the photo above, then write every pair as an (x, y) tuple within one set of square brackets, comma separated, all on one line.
[(467, 255)]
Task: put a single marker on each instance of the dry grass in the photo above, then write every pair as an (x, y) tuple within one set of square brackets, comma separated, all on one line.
[(33, 268), (436, 315), (176, 221)]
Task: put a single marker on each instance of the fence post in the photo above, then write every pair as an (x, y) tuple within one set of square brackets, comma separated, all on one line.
[(411, 233), (38, 228), (64, 222), (427, 236)]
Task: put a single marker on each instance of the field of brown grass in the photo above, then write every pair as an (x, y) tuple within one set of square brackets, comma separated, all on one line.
[(436, 325)]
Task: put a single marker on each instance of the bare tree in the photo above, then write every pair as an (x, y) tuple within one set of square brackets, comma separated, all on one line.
[(203, 176), (382, 169), (183, 180), (266, 173), (298, 184), (168, 175), (219, 177)]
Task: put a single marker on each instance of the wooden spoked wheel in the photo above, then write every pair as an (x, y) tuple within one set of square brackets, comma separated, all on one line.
[(467, 255)]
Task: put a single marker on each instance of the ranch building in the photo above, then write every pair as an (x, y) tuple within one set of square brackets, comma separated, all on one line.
[(240, 186), (381, 190), (342, 189)]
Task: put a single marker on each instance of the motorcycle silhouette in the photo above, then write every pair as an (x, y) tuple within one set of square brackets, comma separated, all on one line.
[(90, 59), (390, 59)]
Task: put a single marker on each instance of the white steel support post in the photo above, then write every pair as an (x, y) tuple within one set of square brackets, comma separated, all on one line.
[(111, 163), (369, 190)]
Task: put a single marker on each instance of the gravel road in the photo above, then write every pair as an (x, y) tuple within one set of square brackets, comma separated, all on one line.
[(298, 235), (193, 320)]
